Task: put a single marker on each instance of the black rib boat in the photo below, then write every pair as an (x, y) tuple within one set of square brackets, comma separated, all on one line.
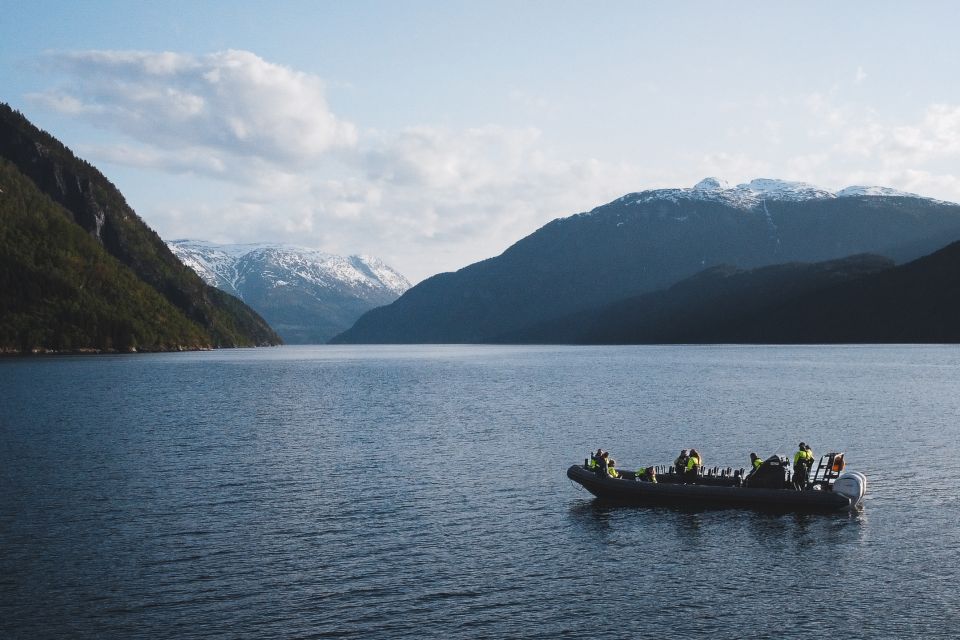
[(828, 490)]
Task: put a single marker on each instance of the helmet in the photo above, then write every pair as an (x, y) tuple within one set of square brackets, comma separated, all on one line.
[(803, 445)]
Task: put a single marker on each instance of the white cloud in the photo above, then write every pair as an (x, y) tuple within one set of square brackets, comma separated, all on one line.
[(228, 103), (935, 136), (857, 144), (426, 198)]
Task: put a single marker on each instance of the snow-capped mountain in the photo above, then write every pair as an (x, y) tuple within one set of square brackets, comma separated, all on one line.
[(752, 194), (308, 296), (649, 241)]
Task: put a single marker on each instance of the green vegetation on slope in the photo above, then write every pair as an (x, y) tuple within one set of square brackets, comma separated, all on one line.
[(98, 207), (60, 290)]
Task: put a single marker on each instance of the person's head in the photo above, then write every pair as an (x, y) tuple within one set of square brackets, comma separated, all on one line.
[(651, 471), (684, 453), (694, 452), (611, 462), (754, 456), (803, 445)]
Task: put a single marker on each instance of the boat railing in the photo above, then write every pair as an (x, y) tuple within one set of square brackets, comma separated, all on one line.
[(829, 468)]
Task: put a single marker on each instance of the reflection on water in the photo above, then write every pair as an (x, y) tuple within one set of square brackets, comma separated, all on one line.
[(421, 492)]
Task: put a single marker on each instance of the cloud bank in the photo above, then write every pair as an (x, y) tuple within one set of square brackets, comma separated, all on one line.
[(432, 198), (426, 198), (231, 102)]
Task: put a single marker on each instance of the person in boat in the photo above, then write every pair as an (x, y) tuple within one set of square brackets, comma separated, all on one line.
[(755, 462), (598, 462), (612, 468), (680, 464), (597, 458), (694, 462), (646, 474), (802, 461)]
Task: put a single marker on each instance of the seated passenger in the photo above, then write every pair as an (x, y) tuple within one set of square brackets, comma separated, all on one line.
[(611, 468), (755, 461), (646, 474)]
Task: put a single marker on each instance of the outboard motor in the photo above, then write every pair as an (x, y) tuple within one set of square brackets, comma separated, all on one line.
[(853, 485)]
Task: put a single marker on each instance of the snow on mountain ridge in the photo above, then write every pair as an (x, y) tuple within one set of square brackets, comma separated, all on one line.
[(228, 266), (875, 191), (753, 194)]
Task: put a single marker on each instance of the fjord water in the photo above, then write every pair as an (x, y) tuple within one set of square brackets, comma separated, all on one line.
[(395, 492)]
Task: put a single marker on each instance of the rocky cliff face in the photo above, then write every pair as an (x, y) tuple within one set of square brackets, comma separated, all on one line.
[(95, 204)]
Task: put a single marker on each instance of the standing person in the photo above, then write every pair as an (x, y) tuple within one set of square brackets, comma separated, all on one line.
[(680, 464), (694, 462), (597, 458), (802, 461)]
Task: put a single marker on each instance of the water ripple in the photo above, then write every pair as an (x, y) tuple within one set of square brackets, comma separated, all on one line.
[(420, 492)]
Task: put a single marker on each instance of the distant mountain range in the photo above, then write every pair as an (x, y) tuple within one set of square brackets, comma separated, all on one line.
[(648, 241), (307, 296), (80, 271)]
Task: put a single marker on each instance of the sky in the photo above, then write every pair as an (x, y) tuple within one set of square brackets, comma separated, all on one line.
[(435, 134)]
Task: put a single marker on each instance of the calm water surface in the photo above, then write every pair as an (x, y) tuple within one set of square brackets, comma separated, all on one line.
[(391, 492)]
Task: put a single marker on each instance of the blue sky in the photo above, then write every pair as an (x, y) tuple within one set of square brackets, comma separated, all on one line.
[(435, 134)]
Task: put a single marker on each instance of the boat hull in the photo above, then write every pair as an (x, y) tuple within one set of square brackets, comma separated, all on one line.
[(630, 491)]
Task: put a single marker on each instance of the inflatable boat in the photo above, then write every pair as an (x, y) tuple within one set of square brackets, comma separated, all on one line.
[(770, 487)]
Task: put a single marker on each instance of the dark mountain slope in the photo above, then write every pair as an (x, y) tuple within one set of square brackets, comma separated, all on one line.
[(642, 243), (95, 204), (862, 299), (918, 302), (711, 306), (60, 290)]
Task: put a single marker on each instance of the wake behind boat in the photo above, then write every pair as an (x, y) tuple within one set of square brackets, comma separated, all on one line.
[(769, 487)]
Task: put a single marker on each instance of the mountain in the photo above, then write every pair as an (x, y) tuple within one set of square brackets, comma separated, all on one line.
[(39, 165), (646, 241), (60, 291), (720, 304), (917, 302), (861, 299), (306, 295)]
